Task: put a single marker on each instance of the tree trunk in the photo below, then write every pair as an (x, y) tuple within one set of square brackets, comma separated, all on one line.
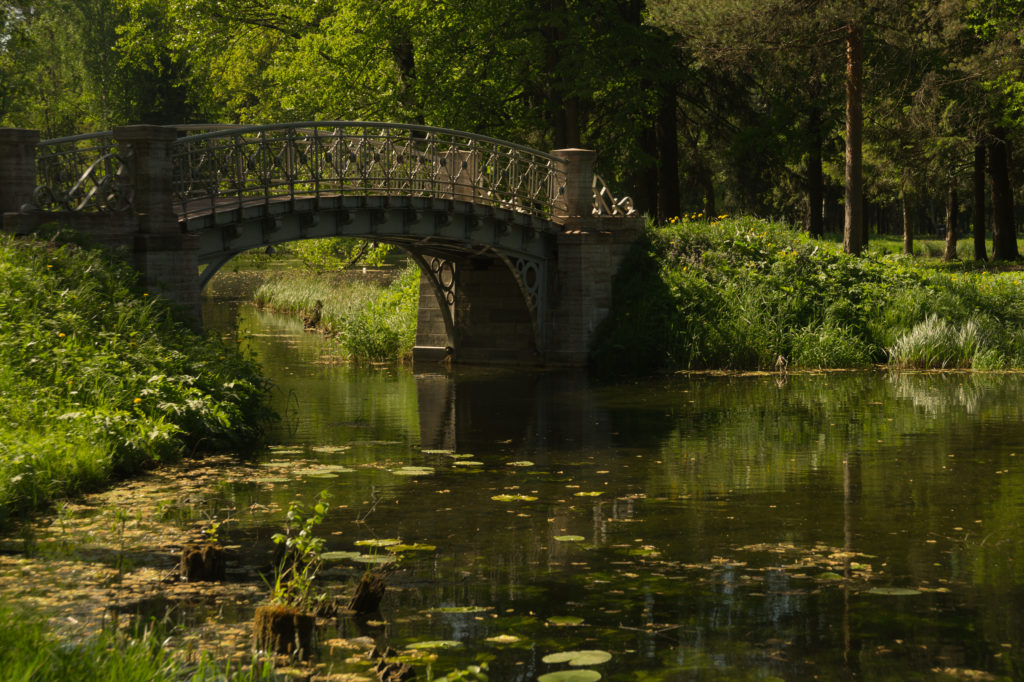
[(979, 203), (815, 177), (668, 155), (853, 225), (1004, 231), (949, 254), (908, 226)]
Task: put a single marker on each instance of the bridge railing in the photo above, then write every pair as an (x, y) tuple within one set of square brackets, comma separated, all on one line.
[(82, 173), (225, 165)]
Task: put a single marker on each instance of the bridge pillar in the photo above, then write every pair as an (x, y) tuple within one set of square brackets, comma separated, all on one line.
[(17, 168), (166, 257), (590, 250)]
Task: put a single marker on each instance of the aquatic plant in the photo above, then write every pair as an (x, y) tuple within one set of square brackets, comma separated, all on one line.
[(300, 559)]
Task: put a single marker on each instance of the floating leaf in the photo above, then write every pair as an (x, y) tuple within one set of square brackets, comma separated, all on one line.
[(579, 658), (436, 644), (416, 547), (570, 538), (328, 449), (828, 575), (502, 639), (385, 542), (413, 471), (436, 452), (468, 463), (513, 498), (460, 609), (274, 479), (521, 463), (894, 591), (571, 676), (595, 493), (565, 620), (339, 556), (454, 456), (373, 559)]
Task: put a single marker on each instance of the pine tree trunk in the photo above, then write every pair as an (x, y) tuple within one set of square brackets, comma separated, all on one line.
[(949, 254), (980, 252), (1004, 231), (908, 226), (853, 225)]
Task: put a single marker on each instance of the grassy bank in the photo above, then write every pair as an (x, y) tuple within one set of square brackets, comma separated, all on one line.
[(371, 322), (98, 380), (740, 293)]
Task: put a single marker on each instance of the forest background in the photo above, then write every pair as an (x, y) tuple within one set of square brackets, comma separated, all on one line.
[(841, 116)]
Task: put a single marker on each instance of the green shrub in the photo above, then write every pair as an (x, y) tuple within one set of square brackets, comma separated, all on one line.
[(738, 293), (97, 378)]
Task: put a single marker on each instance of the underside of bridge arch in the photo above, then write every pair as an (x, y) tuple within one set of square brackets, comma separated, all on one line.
[(484, 271)]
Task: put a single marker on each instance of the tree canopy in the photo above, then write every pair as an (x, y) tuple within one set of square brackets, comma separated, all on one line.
[(763, 107)]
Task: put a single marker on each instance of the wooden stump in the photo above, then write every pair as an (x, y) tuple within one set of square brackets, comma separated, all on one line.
[(205, 562), (368, 593), (283, 630)]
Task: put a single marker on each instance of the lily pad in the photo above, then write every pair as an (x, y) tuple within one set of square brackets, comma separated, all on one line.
[(339, 556), (436, 452), (468, 463), (373, 559), (593, 493), (460, 609), (571, 676), (413, 471), (384, 542), (513, 498), (503, 639), (454, 456), (565, 620), (570, 538), (579, 658), (415, 547), (330, 448), (521, 463), (894, 591), (436, 644)]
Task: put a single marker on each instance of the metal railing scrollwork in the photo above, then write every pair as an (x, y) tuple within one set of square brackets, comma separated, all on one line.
[(82, 173), (226, 164), (607, 205)]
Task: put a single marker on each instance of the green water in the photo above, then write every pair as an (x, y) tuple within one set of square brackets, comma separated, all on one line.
[(846, 525)]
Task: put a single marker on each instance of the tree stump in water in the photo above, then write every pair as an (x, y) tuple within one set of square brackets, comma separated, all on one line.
[(205, 562), (283, 630), (368, 593)]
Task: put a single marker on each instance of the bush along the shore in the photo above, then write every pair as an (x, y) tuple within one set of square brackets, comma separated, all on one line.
[(371, 323), (97, 378), (742, 293)]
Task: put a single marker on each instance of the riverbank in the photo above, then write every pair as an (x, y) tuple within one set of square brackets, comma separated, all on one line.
[(744, 293), (371, 319), (99, 380)]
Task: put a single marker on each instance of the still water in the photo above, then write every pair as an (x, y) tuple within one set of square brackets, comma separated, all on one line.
[(842, 525)]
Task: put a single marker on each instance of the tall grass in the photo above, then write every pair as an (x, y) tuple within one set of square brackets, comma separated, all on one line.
[(98, 379), (740, 293), (30, 652), (371, 322)]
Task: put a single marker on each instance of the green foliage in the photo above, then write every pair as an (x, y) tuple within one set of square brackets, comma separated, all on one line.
[(371, 323), (739, 293), (300, 560), (97, 378), (338, 253)]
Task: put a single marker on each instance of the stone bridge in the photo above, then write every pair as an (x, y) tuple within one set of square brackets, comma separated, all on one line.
[(516, 247)]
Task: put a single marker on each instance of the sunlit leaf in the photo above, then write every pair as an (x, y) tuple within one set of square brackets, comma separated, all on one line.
[(436, 644), (594, 493), (339, 556), (894, 591), (375, 542), (521, 463), (571, 676), (579, 658), (570, 538), (503, 639), (513, 498), (413, 471), (565, 620)]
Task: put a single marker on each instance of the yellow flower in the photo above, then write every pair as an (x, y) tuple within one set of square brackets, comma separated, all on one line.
[(61, 335), (137, 401)]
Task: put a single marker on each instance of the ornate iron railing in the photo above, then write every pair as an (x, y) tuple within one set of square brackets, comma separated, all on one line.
[(226, 165), (82, 173), (607, 205)]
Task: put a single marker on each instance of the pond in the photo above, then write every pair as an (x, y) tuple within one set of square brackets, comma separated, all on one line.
[(833, 525)]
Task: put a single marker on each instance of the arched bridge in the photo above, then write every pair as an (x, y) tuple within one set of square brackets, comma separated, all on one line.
[(516, 246)]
